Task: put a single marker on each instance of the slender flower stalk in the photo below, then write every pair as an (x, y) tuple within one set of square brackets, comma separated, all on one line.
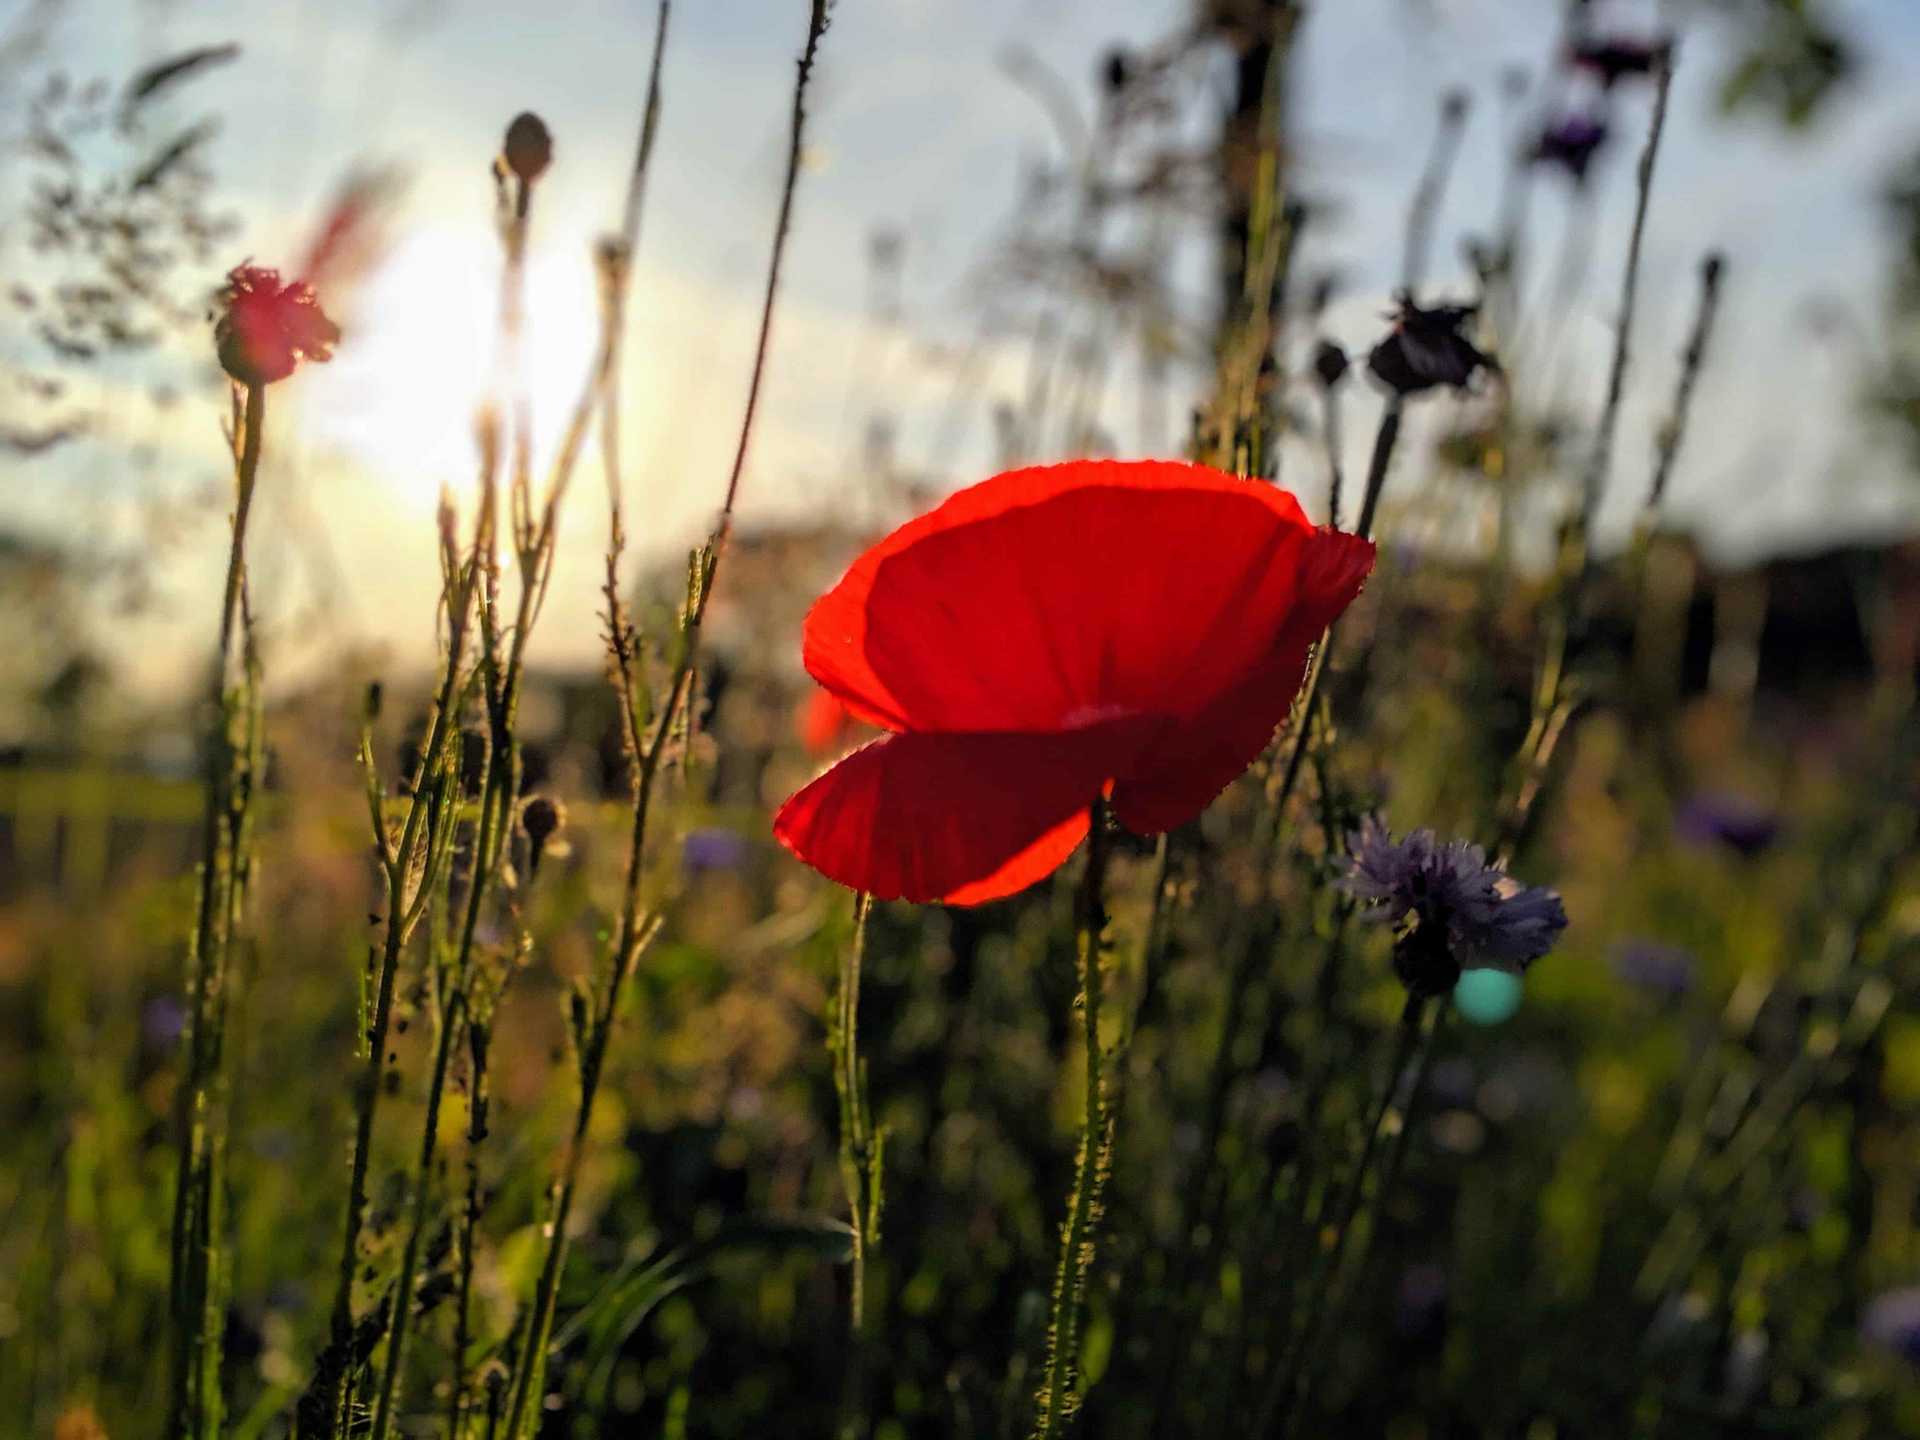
[(499, 786), (197, 1302), (1667, 448), (1304, 1351), (411, 865), (861, 1149), (638, 924), (1595, 480), (1057, 1398), (264, 329), (1454, 107)]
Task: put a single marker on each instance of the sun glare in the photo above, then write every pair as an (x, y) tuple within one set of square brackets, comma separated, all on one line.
[(402, 398)]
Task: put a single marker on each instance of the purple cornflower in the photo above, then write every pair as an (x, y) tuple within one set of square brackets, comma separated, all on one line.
[(1450, 909), (1739, 824), (1570, 142), (1891, 1322), (1666, 970), (712, 849)]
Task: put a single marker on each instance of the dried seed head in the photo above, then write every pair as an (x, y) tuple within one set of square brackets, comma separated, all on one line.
[(540, 817), (1329, 363), (528, 150)]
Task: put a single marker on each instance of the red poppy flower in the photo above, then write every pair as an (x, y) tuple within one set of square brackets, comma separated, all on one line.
[(1130, 628), (266, 328)]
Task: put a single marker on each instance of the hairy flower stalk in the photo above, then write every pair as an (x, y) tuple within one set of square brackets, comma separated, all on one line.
[(197, 1297), (526, 153), (263, 330), (861, 1151), (1079, 1233), (638, 925), (411, 866)]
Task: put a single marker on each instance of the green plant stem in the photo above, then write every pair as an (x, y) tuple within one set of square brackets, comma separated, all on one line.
[(859, 1159), (199, 1113), (1595, 480), (450, 1023), (1341, 1298), (322, 1406), (1305, 1348), (637, 929), (1056, 1399)]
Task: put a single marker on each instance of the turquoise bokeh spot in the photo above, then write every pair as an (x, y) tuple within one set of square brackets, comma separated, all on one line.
[(1486, 997)]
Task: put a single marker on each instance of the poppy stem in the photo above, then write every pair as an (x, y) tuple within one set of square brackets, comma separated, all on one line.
[(860, 1150), (1056, 1399), (195, 1303)]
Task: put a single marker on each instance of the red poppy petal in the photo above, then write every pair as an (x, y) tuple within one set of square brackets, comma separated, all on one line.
[(1062, 595), (960, 818), (1174, 779), (1200, 756)]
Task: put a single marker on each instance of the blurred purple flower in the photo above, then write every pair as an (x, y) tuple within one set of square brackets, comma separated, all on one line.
[(1667, 970), (1891, 1322), (1451, 910), (164, 1021), (1570, 142), (1741, 825), (712, 849)]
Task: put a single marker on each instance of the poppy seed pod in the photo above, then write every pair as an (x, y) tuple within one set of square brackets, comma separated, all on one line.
[(528, 150), (541, 817), (1329, 363)]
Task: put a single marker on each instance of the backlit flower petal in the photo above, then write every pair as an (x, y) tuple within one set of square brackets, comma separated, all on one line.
[(960, 818), (1195, 758), (1062, 595)]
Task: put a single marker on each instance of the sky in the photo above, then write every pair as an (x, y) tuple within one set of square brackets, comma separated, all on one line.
[(916, 126)]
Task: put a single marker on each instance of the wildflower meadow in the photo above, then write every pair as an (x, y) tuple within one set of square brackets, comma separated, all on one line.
[(1280, 797)]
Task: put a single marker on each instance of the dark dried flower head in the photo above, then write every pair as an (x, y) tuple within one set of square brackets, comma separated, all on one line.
[(541, 816), (1329, 363), (1450, 909), (1427, 348), (528, 149), (1570, 143), (1613, 58), (264, 328)]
